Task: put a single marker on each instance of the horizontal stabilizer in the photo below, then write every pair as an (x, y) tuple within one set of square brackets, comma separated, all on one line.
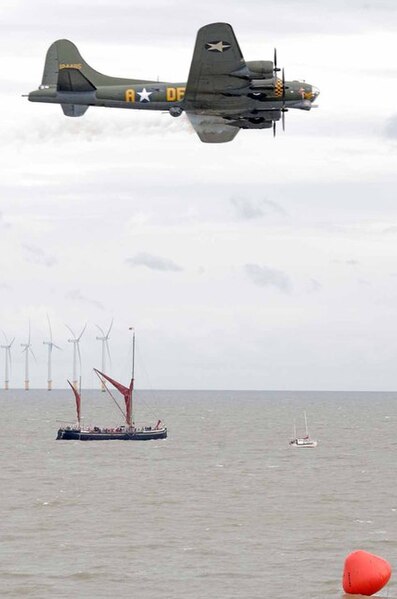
[(74, 109)]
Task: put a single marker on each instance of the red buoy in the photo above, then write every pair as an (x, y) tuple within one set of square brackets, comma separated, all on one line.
[(365, 573)]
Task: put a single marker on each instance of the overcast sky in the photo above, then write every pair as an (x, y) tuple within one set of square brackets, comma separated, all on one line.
[(258, 264)]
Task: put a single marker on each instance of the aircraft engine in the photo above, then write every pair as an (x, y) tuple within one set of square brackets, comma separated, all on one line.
[(260, 69)]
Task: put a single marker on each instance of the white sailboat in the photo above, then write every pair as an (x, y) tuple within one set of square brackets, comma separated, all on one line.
[(305, 441)]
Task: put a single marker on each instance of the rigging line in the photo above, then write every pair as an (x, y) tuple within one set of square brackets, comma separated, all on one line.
[(110, 393), (150, 388)]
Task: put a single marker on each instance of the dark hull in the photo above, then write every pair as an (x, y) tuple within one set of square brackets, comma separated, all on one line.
[(141, 435)]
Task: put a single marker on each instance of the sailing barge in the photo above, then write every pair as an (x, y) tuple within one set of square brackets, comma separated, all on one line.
[(125, 432)]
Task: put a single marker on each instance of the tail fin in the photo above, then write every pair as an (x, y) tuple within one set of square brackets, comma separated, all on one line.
[(63, 56), (66, 71)]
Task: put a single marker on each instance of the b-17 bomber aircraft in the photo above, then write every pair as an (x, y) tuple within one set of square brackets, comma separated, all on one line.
[(223, 94)]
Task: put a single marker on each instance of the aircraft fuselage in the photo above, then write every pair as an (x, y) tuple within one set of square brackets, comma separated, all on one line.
[(163, 96)]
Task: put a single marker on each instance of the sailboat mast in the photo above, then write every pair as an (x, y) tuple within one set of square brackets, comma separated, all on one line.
[(129, 413), (307, 430), (133, 355)]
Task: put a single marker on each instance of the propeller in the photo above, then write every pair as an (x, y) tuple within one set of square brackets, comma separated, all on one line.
[(283, 108), (275, 69)]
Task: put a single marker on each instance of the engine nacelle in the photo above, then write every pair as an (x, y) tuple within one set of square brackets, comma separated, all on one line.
[(260, 69), (259, 84)]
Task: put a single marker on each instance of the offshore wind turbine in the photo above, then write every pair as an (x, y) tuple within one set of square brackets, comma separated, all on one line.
[(27, 348), (7, 348), (51, 345), (105, 349), (76, 352)]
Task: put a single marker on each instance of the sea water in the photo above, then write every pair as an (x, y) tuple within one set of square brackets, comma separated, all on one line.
[(222, 509)]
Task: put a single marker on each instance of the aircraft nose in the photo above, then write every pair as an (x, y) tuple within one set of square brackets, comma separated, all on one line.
[(315, 93)]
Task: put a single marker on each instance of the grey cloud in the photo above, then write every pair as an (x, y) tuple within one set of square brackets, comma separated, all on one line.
[(314, 285), (391, 127), (76, 295), (349, 262), (3, 224), (126, 21), (36, 255), (390, 230), (265, 277), (251, 208), (153, 262), (92, 128)]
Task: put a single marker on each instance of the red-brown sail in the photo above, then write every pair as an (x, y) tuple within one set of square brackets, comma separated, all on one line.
[(126, 393), (78, 401)]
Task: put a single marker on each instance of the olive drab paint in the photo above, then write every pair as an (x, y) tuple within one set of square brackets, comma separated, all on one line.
[(223, 94)]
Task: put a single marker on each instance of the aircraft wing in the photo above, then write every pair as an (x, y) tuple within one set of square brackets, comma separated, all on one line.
[(216, 57), (212, 85), (212, 129)]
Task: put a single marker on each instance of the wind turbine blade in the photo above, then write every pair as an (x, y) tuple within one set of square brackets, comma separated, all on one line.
[(12, 341), (68, 327), (29, 334), (101, 330), (79, 354), (31, 351), (5, 337), (110, 328), (49, 325), (57, 346), (81, 334), (108, 351)]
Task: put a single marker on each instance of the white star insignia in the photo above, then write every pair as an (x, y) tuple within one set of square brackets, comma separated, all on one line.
[(217, 46), (144, 95)]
